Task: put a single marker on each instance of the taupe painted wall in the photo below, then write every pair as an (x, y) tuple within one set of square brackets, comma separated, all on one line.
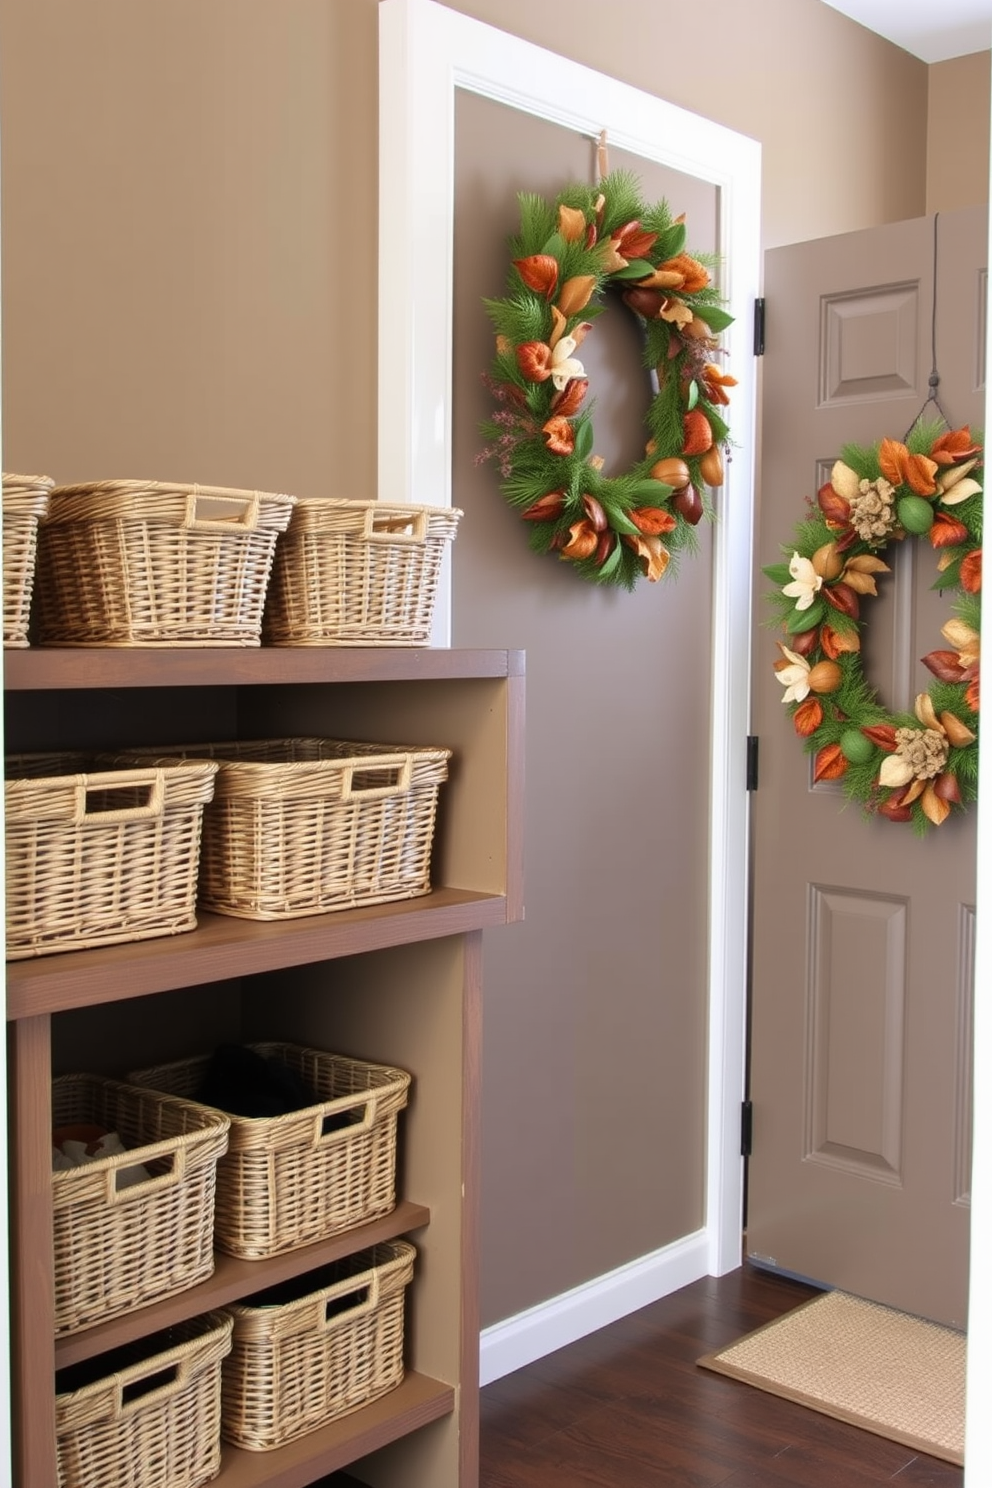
[(189, 291), (957, 132)]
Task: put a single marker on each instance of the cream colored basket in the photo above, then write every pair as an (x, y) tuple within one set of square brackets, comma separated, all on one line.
[(302, 826), (143, 563), (290, 1180), (317, 1348), (25, 502), (122, 1242), (147, 1414), (98, 858), (357, 573)]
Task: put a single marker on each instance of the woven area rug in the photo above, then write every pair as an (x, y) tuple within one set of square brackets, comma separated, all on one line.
[(893, 1374)]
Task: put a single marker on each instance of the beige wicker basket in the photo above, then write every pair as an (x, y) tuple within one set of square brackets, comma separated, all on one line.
[(25, 502), (357, 573), (148, 1414), (302, 826), (143, 563), (100, 858), (121, 1244), (315, 1349), (287, 1181)]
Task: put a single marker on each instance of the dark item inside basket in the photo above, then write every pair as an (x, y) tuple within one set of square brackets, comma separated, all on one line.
[(242, 1082)]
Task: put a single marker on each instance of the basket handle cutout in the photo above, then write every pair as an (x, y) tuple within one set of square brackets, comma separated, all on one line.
[(345, 1305), (391, 524), (140, 1188), (399, 766), (95, 796), (335, 1125), (211, 513), (162, 1383)]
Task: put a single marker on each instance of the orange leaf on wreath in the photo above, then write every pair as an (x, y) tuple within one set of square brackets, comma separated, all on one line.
[(559, 435), (534, 360), (947, 531), (882, 734), (807, 717), (582, 541), (545, 508), (539, 272), (836, 642), (971, 571), (633, 242), (652, 519), (568, 400), (954, 446), (829, 763), (902, 468), (698, 434), (654, 556), (834, 507), (971, 695)]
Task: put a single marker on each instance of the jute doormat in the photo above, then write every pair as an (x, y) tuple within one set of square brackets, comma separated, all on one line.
[(885, 1371)]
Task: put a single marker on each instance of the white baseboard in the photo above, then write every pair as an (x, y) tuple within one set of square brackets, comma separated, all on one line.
[(551, 1325)]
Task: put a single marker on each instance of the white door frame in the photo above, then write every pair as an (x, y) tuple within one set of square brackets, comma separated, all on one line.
[(426, 52)]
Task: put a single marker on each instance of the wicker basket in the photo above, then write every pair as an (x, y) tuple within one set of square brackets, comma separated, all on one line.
[(302, 826), (147, 1415), (100, 858), (141, 563), (357, 573), (25, 502), (287, 1181), (119, 1245), (317, 1348)]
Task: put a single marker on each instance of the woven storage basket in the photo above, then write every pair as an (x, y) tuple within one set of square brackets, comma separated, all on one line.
[(145, 1416), (357, 573), (25, 502), (317, 1348), (120, 1245), (142, 563), (287, 1181), (302, 826), (103, 857)]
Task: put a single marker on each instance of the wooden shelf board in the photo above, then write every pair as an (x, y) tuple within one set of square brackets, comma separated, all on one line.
[(43, 668), (223, 947), (234, 1278), (416, 1402)]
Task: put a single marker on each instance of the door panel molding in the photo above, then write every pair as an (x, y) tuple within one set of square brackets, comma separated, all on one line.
[(856, 1009), (868, 343)]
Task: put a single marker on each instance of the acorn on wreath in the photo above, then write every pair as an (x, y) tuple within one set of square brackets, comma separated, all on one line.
[(916, 767), (612, 529)]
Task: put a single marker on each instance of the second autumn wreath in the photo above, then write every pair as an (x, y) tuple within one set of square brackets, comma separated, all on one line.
[(916, 767), (612, 529)]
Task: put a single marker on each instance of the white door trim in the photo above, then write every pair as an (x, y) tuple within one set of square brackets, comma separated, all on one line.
[(426, 52)]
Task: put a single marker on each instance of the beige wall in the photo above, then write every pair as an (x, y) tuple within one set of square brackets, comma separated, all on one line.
[(958, 132), (189, 277)]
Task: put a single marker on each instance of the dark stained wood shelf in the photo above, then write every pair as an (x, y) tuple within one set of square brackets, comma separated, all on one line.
[(234, 1278), (416, 1402), (39, 668), (223, 947)]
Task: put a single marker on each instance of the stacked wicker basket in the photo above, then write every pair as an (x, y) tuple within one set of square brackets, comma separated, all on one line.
[(105, 848)]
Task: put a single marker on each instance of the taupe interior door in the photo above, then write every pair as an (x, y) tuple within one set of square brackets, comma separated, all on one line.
[(862, 945)]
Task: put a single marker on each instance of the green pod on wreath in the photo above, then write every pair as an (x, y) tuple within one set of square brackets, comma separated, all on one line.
[(855, 747)]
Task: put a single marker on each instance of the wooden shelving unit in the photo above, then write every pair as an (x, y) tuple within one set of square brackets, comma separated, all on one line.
[(399, 983)]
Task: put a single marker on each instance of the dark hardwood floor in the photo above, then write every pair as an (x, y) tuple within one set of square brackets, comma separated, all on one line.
[(628, 1407)]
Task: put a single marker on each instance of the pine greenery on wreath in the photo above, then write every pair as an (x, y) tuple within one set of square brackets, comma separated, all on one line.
[(915, 767), (612, 529)]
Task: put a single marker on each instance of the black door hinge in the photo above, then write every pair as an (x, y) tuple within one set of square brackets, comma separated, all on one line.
[(747, 1116), (759, 326), (752, 762)]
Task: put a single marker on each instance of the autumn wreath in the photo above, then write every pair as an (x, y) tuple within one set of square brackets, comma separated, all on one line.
[(915, 767), (612, 529)]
